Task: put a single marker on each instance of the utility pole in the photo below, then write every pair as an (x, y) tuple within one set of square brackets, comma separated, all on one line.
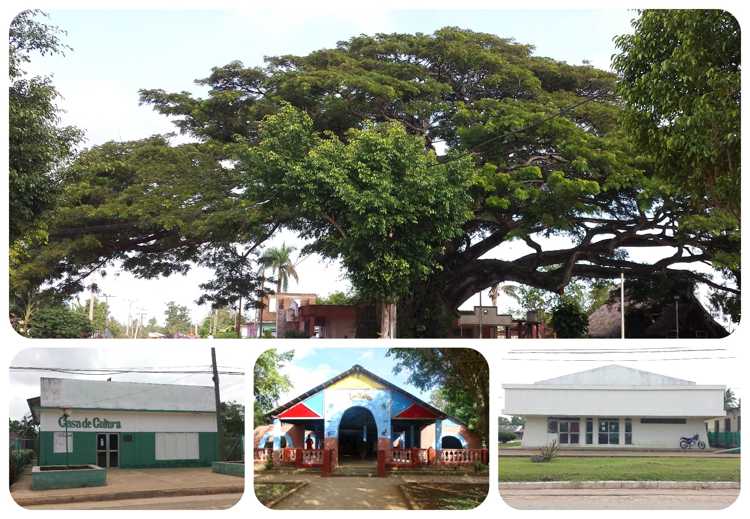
[(481, 312), (622, 305), (677, 315), (219, 418)]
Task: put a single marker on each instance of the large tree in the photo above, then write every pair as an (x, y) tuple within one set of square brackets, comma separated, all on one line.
[(533, 147), (460, 375), (38, 145), (680, 80), (269, 383)]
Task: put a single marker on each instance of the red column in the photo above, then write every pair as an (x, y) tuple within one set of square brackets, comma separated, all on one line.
[(325, 470), (298, 457), (486, 456), (381, 464)]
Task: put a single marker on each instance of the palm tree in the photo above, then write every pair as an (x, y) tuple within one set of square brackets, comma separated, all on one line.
[(279, 260)]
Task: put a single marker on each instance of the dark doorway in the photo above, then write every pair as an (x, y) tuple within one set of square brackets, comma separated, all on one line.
[(358, 435), (450, 442)]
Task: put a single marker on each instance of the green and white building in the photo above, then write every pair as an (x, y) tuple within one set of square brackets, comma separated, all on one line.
[(124, 424)]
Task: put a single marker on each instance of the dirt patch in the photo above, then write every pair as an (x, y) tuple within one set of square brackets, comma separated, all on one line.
[(270, 494), (444, 496)]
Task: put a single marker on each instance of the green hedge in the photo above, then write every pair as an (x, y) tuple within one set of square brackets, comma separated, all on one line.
[(17, 460)]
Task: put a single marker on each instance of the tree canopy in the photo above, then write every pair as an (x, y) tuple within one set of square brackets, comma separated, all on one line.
[(409, 157), (269, 383), (461, 377)]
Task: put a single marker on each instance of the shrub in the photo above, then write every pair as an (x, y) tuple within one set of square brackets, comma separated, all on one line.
[(569, 320), (549, 451), (17, 460), (506, 436), (295, 334), (479, 467)]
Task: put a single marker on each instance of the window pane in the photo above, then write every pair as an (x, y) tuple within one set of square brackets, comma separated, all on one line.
[(602, 426), (574, 438), (614, 438), (563, 427), (563, 438), (589, 438), (551, 426), (614, 426), (589, 425), (628, 439), (628, 426), (603, 438), (574, 427)]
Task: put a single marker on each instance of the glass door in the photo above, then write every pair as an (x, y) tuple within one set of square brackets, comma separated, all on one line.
[(101, 450), (108, 450), (114, 449)]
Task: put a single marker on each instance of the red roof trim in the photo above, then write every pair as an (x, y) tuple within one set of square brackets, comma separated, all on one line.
[(416, 411), (299, 410)]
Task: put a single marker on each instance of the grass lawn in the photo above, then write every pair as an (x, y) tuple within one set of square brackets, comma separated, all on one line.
[(445, 496), (620, 469), (268, 492)]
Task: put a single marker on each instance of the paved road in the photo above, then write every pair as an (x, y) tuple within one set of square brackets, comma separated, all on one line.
[(630, 499), (212, 502)]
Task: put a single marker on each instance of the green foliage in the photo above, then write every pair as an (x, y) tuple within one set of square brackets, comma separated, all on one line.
[(505, 436), (730, 400), (24, 428), (295, 334), (681, 83), (37, 146), (569, 321), (339, 298), (103, 325), (279, 260), (233, 415), (177, 319), (460, 376), (236, 278), (378, 201), (60, 322), (17, 460), (218, 321), (269, 383)]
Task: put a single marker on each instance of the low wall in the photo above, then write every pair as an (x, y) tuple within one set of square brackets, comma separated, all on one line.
[(230, 468), (60, 477)]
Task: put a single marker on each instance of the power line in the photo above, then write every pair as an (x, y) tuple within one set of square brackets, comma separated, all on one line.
[(119, 371), (617, 360), (528, 127)]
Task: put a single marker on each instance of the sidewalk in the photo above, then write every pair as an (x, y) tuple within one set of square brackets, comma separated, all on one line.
[(133, 484)]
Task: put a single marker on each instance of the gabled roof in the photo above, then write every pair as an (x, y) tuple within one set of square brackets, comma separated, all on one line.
[(359, 370), (615, 375)]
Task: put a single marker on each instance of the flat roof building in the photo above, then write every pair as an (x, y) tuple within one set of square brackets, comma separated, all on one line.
[(613, 407)]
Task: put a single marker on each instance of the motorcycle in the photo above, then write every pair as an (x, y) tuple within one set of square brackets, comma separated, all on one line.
[(688, 442)]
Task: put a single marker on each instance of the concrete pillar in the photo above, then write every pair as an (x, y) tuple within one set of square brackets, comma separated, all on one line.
[(438, 433), (413, 438), (276, 434)]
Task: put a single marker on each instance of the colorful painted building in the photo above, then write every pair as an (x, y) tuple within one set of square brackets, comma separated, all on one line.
[(124, 424), (357, 413)]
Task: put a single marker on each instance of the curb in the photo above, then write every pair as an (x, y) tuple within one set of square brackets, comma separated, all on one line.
[(610, 485), (134, 494), (274, 502)]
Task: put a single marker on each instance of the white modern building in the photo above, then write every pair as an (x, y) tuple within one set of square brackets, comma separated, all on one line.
[(613, 407)]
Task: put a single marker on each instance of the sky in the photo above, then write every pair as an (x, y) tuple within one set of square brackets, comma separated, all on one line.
[(312, 366), (709, 363), (116, 53), (159, 354)]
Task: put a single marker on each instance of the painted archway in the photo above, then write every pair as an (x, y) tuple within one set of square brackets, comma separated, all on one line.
[(357, 435), (452, 441), (266, 441)]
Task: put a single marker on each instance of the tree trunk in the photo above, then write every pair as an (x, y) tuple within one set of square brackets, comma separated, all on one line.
[(279, 311), (238, 321), (387, 320)]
